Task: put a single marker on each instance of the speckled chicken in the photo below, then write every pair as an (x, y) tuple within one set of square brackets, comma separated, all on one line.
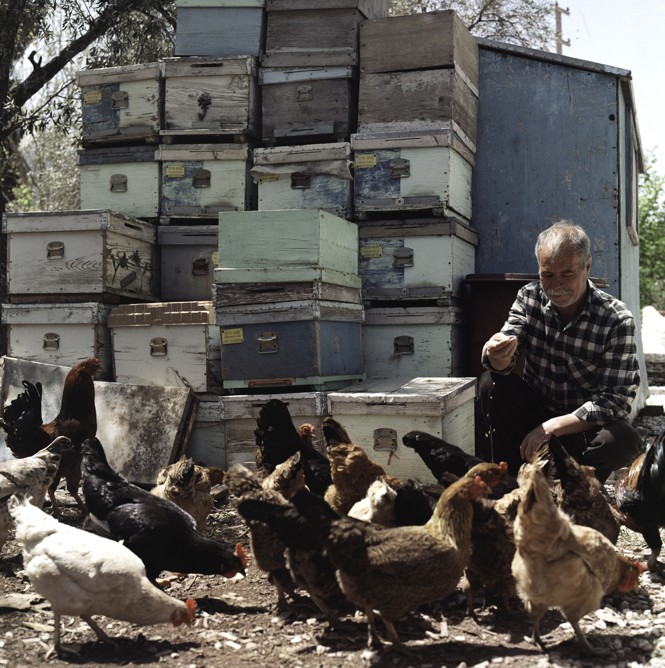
[(30, 476), (188, 486)]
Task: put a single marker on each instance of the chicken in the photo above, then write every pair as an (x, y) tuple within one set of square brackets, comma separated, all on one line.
[(443, 458), (387, 571), (352, 472), (333, 432), (559, 564), (415, 502), (31, 476), (304, 554), (307, 432), (640, 498), (378, 506), (287, 478), (581, 495), (267, 549), (76, 419), (188, 486), (81, 574), (161, 533), (277, 439)]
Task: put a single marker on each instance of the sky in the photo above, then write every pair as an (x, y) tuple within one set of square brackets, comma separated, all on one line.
[(626, 34)]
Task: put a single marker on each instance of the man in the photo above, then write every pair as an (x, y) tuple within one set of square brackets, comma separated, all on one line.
[(580, 367)]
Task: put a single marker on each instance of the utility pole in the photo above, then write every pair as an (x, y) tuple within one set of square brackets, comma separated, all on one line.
[(558, 11)]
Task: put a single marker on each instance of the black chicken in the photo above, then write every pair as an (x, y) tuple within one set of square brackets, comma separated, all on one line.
[(277, 439), (158, 531), (640, 498)]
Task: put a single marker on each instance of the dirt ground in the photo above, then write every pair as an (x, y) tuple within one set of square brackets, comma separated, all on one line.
[(237, 625)]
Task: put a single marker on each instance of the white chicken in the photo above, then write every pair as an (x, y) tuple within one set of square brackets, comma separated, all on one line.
[(378, 505), (30, 475), (83, 574)]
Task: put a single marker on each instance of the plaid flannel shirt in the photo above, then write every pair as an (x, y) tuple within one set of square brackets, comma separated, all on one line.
[(587, 367)]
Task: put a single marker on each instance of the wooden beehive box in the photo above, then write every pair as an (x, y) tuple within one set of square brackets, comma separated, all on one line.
[(220, 28), (121, 103), (207, 443), (308, 103), (412, 259), (287, 246), (62, 334), (430, 40), (211, 96), (310, 343), (418, 100), (200, 180), (414, 340), (166, 343), (120, 178), (377, 413), (79, 256), (411, 172), (314, 32), (188, 257), (239, 413), (310, 176)]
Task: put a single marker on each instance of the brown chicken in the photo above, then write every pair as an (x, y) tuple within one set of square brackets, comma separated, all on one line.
[(188, 486), (558, 564), (287, 478), (77, 419), (387, 571)]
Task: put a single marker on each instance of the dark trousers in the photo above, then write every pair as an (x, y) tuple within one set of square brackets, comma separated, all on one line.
[(507, 409)]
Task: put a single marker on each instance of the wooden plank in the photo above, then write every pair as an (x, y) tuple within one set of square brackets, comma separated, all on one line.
[(220, 3), (141, 428), (369, 8), (262, 293)]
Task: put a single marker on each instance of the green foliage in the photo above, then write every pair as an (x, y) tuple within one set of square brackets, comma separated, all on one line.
[(651, 228)]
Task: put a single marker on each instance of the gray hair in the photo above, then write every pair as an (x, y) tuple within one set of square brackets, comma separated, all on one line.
[(563, 237)]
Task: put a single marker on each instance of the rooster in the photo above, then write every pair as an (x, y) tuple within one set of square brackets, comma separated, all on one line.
[(387, 571), (161, 533), (77, 419), (640, 498), (559, 564), (83, 574)]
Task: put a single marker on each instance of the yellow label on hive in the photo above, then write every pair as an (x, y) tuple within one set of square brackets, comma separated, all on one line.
[(371, 250), (365, 161), (230, 336), (92, 96), (174, 170), (265, 178), (215, 258)]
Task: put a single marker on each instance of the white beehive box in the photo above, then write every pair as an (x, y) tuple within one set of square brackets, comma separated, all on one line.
[(79, 255), (377, 413), (62, 334), (415, 258), (410, 340), (200, 180), (166, 343), (120, 178), (214, 96), (121, 103), (411, 172), (311, 176), (239, 413)]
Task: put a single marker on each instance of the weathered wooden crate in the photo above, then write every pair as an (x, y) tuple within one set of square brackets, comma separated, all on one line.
[(121, 103), (62, 334), (79, 256), (316, 33), (166, 343), (310, 343), (430, 40), (207, 442), (211, 96), (120, 178), (200, 180), (308, 102), (287, 246), (310, 176), (377, 414), (418, 100), (188, 257), (414, 341), (412, 259), (410, 172), (234, 294), (220, 28), (239, 413)]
